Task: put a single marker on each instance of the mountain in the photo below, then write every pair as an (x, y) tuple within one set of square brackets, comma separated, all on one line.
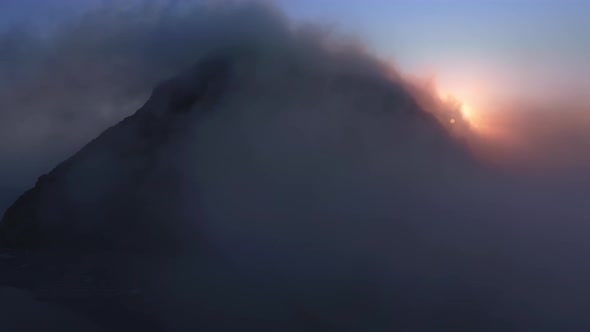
[(125, 188), (106, 190), (264, 188)]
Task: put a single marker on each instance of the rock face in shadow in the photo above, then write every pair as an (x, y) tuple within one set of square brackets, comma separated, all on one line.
[(96, 197), (262, 189), (125, 188)]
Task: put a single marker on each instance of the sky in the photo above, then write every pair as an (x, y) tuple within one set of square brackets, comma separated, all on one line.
[(462, 42), (488, 54), (421, 34), (501, 46)]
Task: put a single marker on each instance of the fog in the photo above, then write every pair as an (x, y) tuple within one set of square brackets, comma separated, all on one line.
[(310, 187)]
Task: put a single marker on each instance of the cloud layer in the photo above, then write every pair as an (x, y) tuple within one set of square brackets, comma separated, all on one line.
[(338, 203)]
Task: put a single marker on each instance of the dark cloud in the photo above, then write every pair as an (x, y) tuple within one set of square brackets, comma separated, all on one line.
[(334, 200), (59, 89)]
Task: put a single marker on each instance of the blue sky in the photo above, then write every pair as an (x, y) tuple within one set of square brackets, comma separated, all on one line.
[(411, 29), (419, 29), (529, 49), (420, 33), (509, 44)]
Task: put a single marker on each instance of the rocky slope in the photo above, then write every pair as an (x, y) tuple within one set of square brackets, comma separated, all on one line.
[(265, 188), (125, 188)]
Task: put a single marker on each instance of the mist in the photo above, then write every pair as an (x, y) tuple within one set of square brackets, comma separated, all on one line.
[(334, 189)]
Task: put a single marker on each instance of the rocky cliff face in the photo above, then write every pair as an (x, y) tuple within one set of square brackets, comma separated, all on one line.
[(129, 187), (270, 173), (109, 188)]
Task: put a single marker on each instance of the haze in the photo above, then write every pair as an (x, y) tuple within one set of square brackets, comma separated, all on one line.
[(353, 161)]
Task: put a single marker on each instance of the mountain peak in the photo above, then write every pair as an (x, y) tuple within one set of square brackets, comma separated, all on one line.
[(251, 114), (52, 204)]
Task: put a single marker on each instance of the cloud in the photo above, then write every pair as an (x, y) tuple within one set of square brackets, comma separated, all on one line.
[(60, 89), (331, 197)]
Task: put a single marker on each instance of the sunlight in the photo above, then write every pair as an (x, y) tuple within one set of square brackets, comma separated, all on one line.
[(464, 105), (466, 111)]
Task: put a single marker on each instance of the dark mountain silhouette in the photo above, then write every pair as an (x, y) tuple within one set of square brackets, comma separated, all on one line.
[(116, 170), (118, 192), (250, 146)]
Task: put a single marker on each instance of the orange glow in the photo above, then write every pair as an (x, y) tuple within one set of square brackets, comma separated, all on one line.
[(467, 112), (462, 103), (444, 96), (502, 122), (472, 117)]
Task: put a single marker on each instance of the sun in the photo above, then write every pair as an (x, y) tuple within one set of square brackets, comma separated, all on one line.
[(467, 112), (471, 117)]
